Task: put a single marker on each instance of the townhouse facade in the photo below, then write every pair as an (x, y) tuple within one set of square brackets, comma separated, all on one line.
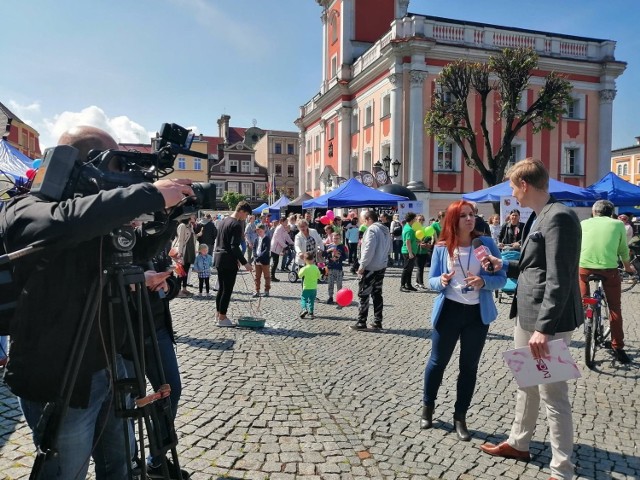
[(378, 78), (19, 134), (625, 162)]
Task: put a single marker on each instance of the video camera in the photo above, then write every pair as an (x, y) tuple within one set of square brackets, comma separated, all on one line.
[(63, 175)]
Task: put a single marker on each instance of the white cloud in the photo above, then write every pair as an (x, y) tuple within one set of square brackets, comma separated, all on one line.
[(122, 128)]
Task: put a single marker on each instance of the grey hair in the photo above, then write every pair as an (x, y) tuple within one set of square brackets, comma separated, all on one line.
[(603, 208)]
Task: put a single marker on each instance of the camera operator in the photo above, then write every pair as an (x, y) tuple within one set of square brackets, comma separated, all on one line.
[(56, 289)]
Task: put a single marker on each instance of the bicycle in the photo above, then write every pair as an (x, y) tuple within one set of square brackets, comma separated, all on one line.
[(629, 280), (596, 320)]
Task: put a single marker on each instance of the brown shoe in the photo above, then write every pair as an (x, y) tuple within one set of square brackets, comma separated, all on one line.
[(505, 450)]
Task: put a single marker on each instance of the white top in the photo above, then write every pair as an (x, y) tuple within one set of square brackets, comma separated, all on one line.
[(463, 264)]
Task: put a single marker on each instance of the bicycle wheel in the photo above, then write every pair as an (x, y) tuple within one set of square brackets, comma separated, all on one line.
[(628, 280), (589, 341)]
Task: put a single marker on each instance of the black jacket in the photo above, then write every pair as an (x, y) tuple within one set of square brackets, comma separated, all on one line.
[(262, 257), (57, 283), (209, 234)]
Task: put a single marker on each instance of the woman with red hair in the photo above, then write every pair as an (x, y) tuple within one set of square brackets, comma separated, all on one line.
[(462, 311)]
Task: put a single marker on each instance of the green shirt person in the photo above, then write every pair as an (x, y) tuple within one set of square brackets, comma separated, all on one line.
[(409, 240)]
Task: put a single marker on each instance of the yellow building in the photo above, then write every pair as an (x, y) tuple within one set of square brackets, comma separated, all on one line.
[(19, 134), (625, 162)]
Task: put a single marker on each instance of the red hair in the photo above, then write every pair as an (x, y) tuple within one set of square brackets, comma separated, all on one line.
[(449, 234)]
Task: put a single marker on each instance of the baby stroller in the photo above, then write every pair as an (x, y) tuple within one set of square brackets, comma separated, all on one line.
[(509, 289), (295, 268)]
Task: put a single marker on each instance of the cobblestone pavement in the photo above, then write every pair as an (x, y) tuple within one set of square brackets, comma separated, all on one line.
[(312, 399)]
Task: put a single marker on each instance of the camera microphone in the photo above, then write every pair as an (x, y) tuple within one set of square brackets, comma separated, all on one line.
[(480, 251)]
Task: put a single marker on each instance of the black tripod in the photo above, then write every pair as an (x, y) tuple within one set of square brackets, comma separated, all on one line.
[(124, 286)]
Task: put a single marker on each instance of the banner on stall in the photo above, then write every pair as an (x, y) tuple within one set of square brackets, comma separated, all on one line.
[(405, 207), (510, 203)]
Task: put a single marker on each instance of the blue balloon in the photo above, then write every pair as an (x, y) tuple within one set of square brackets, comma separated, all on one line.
[(36, 163)]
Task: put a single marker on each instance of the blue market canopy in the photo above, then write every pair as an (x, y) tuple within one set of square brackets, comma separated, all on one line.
[(352, 193), (258, 211), (13, 162), (281, 202), (616, 190), (560, 191)]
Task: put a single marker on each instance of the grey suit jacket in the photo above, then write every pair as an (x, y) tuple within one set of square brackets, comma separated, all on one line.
[(548, 295)]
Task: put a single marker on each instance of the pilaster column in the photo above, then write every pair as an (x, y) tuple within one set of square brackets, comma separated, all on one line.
[(416, 130), (344, 141), (325, 34), (302, 152), (605, 126), (396, 122)]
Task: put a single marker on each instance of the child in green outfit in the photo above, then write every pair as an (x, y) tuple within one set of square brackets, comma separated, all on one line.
[(310, 274)]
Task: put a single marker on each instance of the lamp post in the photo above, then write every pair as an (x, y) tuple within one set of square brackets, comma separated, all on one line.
[(392, 168)]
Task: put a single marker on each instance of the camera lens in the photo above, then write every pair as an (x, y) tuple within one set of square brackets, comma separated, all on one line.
[(205, 195)]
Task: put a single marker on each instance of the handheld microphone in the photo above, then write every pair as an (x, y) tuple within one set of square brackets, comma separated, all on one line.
[(480, 251)]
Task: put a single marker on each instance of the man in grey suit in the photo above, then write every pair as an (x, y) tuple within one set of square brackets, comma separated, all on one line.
[(548, 307)]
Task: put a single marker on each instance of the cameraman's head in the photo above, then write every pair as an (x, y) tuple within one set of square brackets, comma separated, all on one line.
[(86, 138), (243, 210)]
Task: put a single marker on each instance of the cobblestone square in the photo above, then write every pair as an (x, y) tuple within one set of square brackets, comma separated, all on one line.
[(312, 399)]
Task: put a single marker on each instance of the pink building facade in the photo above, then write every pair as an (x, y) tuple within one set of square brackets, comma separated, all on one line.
[(378, 79)]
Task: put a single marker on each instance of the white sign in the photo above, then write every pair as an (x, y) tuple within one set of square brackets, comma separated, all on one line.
[(528, 371), (509, 203), (405, 207)]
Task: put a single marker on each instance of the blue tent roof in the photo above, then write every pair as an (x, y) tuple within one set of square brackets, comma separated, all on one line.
[(352, 193), (281, 202), (258, 211), (560, 190), (617, 190), (13, 161)]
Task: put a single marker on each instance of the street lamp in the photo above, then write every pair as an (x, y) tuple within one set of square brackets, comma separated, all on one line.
[(387, 164), (329, 181)]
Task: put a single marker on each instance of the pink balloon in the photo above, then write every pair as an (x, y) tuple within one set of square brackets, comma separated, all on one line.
[(330, 214), (344, 297)]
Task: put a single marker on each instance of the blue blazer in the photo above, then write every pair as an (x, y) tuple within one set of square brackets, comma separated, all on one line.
[(492, 281)]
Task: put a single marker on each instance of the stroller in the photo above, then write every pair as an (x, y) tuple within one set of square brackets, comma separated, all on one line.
[(509, 289)]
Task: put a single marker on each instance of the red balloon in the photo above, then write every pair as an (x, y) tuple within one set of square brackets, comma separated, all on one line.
[(344, 297), (325, 220), (31, 172)]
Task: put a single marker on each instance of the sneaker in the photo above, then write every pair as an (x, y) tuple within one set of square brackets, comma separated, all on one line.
[(377, 325), (156, 472), (274, 279), (404, 289), (255, 295), (303, 313), (226, 322), (411, 288), (330, 301), (359, 326), (419, 285), (266, 294), (311, 316), (621, 355)]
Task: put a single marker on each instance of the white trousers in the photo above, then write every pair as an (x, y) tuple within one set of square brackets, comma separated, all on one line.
[(558, 408)]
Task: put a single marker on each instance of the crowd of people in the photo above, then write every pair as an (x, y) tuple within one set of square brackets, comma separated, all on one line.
[(557, 254)]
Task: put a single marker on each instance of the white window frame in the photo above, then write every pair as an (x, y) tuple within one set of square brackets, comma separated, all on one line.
[(197, 164), (277, 145), (182, 163), (291, 151), (275, 169), (232, 187), (368, 115), (293, 167), (245, 166), (317, 141), (219, 189), (575, 111), (355, 120), (308, 146), (246, 188), (332, 130), (367, 160), (619, 169), (439, 163), (386, 105), (578, 160), (234, 163), (519, 146), (334, 66), (385, 149)]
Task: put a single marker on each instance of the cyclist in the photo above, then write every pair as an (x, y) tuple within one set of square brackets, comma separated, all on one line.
[(603, 241)]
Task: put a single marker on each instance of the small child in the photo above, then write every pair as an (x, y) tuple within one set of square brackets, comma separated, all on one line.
[(202, 266), (335, 253), (310, 274)]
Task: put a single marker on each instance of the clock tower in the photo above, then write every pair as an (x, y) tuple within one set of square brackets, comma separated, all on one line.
[(349, 28)]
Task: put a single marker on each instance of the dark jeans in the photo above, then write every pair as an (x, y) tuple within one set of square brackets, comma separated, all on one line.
[(397, 252), (226, 280), (421, 261), (370, 284), (203, 282), (456, 321), (407, 270), (274, 264), (353, 253), (287, 258)]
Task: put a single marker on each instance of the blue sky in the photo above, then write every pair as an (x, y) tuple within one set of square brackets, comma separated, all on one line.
[(130, 65)]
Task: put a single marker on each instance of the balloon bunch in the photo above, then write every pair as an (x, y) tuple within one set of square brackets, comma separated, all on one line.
[(424, 232), (31, 172), (327, 218)]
